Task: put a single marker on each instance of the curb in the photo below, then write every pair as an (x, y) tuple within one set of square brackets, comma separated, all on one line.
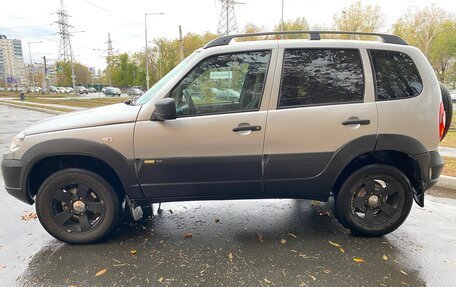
[(447, 182), (33, 108)]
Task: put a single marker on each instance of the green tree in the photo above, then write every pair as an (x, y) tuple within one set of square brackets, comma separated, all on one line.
[(359, 18), (130, 70), (63, 74), (420, 28), (299, 23), (81, 73), (433, 31), (124, 70)]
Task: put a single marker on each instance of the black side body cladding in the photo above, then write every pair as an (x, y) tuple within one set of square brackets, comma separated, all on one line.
[(308, 176)]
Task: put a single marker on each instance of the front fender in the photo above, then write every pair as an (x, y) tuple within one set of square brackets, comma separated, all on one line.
[(123, 167)]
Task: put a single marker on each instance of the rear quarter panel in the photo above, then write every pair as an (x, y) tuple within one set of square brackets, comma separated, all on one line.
[(414, 117)]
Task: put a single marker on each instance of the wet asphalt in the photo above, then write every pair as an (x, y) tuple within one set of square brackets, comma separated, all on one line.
[(232, 243)]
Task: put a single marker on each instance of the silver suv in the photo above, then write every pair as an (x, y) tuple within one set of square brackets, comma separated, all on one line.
[(357, 122)]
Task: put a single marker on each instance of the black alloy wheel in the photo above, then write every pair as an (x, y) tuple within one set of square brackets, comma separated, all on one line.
[(77, 206), (374, 200)]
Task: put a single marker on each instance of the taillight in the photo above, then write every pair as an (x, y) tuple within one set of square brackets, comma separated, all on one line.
[(441, 120)]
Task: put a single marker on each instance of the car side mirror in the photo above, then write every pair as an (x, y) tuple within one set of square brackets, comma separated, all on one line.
[(165, 109)]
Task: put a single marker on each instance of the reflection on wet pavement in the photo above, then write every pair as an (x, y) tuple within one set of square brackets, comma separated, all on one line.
[(295, 250), (225, 248)]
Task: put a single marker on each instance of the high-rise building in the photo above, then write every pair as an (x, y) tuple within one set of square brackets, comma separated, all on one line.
[(12, 68)]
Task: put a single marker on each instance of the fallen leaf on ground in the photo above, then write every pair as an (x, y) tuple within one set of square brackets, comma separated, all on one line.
[(267, 281), (283, 241), (292, 235), (217, 220), (403, 272), (160, 279), (334, 243), (29, 216), (341, 250), (230, 257), (315, 202), (260, 236), (101, 272), (385, 257), (133, 252), (313, 277), (170, 211), (188, 235), (359, 260)]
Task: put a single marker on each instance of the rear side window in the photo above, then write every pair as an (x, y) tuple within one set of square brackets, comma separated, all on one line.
[(396, 75), (321, 77)]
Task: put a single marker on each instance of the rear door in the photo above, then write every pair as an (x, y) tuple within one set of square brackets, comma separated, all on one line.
[(324, 102)]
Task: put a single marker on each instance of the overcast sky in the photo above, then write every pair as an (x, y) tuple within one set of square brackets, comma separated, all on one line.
[(32, 21)]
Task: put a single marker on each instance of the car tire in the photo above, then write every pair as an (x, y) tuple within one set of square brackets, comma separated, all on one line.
[(77, 206), (448, 106), (374, 200)]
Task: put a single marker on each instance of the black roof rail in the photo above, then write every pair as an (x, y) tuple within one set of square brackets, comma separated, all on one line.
[(313, 35)]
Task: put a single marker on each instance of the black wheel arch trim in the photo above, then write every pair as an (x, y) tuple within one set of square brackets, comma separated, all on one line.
[(395, 142), (425, 160), (123, 167)]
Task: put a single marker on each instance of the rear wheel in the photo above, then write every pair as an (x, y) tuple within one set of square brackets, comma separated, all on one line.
[(448, 106), (77, 206), (374, 200)]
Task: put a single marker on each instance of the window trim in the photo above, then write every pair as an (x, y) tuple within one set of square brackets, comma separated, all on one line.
[(374, 76), (215, 55), (278, 107)]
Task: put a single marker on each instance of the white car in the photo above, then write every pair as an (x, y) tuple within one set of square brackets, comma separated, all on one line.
[(354, 122)]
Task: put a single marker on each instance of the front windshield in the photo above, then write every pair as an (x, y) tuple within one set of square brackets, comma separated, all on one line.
[(163, 81)]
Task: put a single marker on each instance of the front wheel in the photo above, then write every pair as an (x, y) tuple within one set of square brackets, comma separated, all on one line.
[(77, 206), (374, 200)]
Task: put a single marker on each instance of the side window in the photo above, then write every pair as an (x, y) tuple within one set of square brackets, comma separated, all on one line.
[(222, 84), (396, 75), (321, 77)]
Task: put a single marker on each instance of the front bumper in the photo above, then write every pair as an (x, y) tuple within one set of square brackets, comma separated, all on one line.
[(13, 172), (431, 165)]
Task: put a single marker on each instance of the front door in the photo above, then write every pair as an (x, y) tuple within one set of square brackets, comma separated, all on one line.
[(214, 148)]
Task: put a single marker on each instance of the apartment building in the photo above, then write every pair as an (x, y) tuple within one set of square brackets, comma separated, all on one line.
[(12, 68)]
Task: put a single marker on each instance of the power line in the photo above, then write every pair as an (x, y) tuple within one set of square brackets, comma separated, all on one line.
[(65, 49), (108, 11), (227, 20)]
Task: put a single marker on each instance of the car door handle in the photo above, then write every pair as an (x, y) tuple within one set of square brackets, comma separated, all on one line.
[(247, 128), (355, 122)]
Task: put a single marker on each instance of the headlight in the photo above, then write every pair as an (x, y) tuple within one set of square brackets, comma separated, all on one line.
[(17, 142)]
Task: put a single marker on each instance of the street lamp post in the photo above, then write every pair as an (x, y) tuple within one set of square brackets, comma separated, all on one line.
[(147, 52), (73, 76), (31, 63), (281, 21)]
